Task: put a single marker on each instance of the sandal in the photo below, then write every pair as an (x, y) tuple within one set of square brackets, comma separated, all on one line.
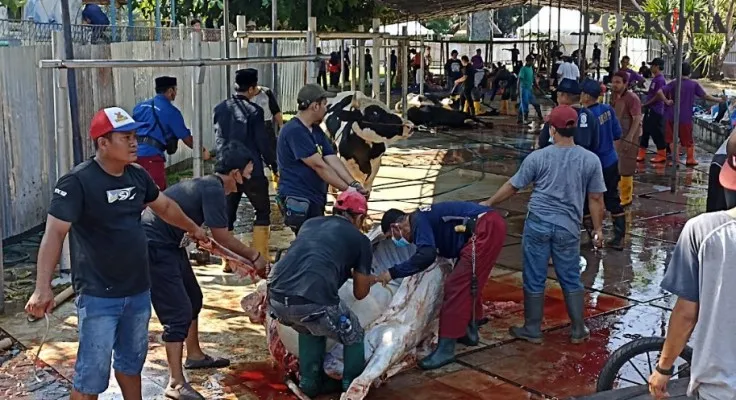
[(206, 362), (183, 392)]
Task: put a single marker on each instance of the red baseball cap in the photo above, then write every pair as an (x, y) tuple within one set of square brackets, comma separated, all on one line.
[(352, 201), (112, 119), (562, 117), (728, 171)]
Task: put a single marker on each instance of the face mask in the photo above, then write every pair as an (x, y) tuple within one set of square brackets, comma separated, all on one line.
[(400, 242)]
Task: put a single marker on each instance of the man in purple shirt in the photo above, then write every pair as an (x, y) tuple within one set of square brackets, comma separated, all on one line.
[(634, 78), (477, 60), (654, 116), (689, 90)]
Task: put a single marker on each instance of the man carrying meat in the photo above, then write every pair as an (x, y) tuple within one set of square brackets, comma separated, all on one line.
[(175, 293), (164, 127), (98, 203), (434, 231), (239, 119), (562, 176), (307, 161), (303, 291)]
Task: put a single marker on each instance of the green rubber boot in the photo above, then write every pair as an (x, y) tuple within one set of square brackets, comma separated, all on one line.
[(354, 363), (311, 358)]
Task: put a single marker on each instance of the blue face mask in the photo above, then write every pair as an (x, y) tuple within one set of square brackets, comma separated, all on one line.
[(400, 242)]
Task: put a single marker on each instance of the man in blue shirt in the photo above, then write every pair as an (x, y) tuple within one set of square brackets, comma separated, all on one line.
[(164, 128), (92, 14), (586, 133), (610, 132), (307, 161), (432, 229), (562, 175), (239, 119)]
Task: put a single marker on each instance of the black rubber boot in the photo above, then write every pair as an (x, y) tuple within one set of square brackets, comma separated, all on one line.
[(311, 358), (619, 233), (533, 314), (354, 363), (538, 109), (519, 118), (441, 356), (575, 302), (471, 338)]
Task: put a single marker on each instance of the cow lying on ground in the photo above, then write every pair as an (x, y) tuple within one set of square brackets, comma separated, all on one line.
[(361, 127), (430, 99), (431, 116)]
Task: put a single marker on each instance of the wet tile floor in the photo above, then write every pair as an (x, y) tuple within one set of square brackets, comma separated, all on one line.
[(623, 298)]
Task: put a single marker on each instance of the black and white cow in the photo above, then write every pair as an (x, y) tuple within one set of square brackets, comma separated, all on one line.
[(434, 110), (361, 127)]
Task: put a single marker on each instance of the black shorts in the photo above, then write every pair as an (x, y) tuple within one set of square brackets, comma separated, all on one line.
[(175, 292)]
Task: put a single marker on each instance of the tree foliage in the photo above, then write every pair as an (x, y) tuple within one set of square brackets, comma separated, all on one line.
[(509, 18), (14, 7)]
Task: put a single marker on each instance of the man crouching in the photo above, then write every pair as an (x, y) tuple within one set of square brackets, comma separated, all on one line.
[(175, 293), (303, 291)]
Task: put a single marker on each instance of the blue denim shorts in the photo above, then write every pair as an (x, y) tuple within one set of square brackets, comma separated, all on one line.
[(114, 328)]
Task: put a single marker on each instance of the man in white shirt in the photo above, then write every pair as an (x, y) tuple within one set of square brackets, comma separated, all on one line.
[(568, 70)]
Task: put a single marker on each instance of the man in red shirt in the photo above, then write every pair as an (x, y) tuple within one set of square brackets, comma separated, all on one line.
[(628, 111)]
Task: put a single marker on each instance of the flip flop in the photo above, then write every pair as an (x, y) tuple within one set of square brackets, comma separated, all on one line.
[(207, 362), (183, 392)]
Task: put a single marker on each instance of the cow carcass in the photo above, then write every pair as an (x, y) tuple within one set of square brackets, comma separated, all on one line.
[(430, 99), (433, 116), (361, 127), (399, 320)]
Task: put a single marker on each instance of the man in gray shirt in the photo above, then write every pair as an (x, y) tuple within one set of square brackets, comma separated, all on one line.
[(562, 175), (701, 274)]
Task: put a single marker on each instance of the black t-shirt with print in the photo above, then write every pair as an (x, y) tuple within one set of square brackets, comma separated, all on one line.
[(107, 242)]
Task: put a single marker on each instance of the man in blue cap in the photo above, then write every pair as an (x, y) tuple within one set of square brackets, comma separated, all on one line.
[(164, 127), (238, 119), (586, 133), (610, 132)]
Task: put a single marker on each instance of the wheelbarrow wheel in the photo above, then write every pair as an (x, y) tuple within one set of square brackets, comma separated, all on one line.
[(633, 362)]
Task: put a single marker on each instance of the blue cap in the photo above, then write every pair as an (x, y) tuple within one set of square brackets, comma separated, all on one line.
[(591, 87), (568, 86)]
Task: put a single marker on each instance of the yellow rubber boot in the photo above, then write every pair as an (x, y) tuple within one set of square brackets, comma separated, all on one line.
[(478, 108), (512, 108), (275, 181), (261, 235), (504, 107), (626, 190)]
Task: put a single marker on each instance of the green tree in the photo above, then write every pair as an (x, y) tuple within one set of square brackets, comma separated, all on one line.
[(440, 26), (509, 18), (15, 7)]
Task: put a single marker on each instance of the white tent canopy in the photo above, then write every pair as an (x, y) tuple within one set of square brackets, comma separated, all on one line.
[(571, 23), (414, 28)]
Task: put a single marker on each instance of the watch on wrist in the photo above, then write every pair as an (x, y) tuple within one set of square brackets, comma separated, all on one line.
[(663, 371)]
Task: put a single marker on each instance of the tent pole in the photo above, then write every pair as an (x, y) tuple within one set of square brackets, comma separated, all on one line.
[(678, 97)]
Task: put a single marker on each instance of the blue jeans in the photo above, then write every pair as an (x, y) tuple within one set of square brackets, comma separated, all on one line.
[(527, 99), (541, 240), (108, 325)]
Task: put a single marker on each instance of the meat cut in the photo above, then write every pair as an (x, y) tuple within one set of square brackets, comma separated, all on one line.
[(398, 319), (240, 265)]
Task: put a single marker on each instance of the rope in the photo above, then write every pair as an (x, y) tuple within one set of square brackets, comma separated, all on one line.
[(38, 352)]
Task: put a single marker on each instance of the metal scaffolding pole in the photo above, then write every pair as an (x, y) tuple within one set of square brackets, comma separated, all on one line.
[(197, 104), (274, 50), (387, 58), (616, 50), (421, 66), (404, 73), (580, 38), (226, 35), (62, 118), (376, 73), (205, 62), (361, 62), (353, 64), (678, 97), (241, 45)]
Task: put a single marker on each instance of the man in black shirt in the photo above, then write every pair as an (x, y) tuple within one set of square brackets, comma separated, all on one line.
[(99, 204), (394, 63), (239, 119), (468, 82), (303, 290), (453, 69), (514, 54), (175, 293), (368, 65), (597, 61)]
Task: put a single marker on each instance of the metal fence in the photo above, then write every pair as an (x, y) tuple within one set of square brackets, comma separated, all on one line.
[(27, 130), (25, 32)]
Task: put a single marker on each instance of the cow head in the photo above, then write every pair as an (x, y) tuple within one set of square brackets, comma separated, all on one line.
[(368, 118)]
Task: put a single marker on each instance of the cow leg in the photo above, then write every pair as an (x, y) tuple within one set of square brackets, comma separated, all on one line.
[(354, 170), (375, 164)]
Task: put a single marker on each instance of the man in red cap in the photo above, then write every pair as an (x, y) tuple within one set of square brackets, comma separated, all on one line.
[(433, 230), (100, 202), (562, 175), (701, 275), (303, 290)]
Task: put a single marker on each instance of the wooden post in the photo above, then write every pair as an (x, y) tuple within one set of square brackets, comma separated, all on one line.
[(197, 103)]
